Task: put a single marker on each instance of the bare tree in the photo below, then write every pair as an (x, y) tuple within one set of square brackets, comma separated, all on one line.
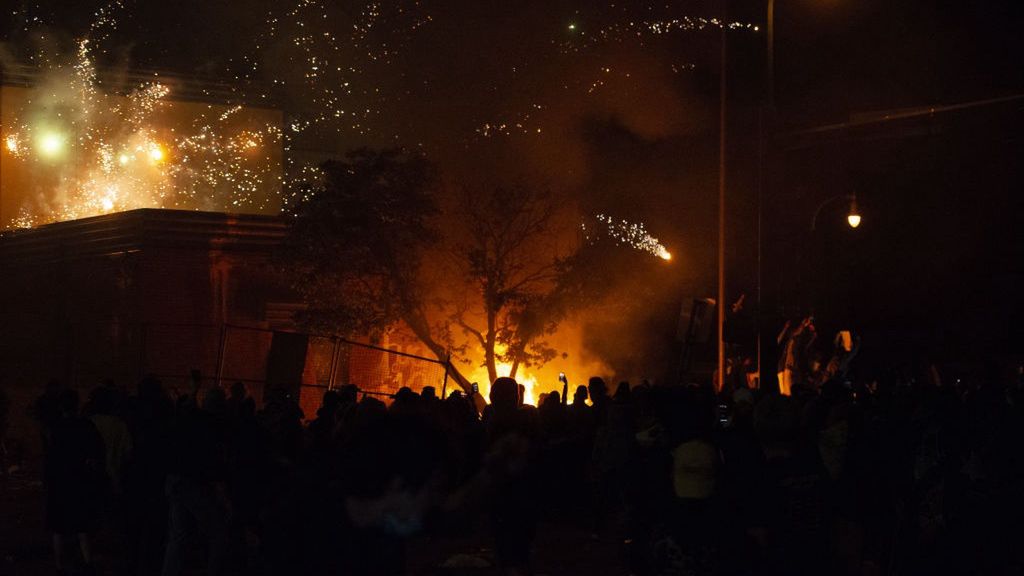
[(370, 249), (506, 250)]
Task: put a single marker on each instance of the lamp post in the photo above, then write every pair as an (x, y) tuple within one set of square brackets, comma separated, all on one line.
[(720, 307), (767, 110)]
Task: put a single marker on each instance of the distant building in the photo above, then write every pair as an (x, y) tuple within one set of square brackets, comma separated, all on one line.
[(154, 291)]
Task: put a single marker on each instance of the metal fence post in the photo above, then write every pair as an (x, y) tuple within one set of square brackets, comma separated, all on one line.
[(334, 364), (222, 352), (444, 384)]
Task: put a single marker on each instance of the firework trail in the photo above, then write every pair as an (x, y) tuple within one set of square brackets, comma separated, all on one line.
[(625, 233)]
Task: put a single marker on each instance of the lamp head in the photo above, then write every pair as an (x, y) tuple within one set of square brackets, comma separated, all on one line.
[(853, 217)]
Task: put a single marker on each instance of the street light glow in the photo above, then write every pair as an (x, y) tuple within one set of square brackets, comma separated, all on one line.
[(853, 218)]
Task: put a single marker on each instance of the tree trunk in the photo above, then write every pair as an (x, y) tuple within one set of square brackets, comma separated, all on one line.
[(490, 360), (421, 332)]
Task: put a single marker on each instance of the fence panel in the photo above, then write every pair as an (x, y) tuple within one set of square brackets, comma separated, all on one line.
[(382, 372), (239, 354)]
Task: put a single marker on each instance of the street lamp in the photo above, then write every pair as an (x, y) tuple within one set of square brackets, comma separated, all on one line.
[(853, 216)]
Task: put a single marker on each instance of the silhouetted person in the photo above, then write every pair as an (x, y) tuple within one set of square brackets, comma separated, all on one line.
[(281, 417), (239, 403), (74, 477), (795, 480), (513, 515), (552, 416), (391, 476), (598, 399), (196, 489), (623, 393), (46, 410), (148, 417), (117, 440), (321, 429)]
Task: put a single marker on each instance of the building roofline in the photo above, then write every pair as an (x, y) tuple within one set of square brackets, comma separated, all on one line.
[(138, 230)]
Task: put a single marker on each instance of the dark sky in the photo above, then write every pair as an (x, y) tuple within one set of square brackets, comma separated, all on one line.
[(627, 118)]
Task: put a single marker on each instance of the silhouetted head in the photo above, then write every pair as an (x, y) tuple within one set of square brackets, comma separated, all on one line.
[(214, 401), (429, 392), (504, 393), (405, 395), (348, 393), (580, 395), (554, 398), (237, 391), (330, 402), (150, 388), (101, 400), (622, 392), (67, 403), (371, 407), (597, 388)]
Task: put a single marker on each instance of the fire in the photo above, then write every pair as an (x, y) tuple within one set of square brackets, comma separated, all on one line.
[(528, 381)]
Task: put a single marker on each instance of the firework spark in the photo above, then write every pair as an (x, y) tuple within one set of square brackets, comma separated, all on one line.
[(88, 151), (625, 233), (640, 30)]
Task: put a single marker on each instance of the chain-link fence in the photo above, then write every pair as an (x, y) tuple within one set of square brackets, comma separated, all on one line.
[(305, 364)]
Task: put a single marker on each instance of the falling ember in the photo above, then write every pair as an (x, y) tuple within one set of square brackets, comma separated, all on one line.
[(626, 233)]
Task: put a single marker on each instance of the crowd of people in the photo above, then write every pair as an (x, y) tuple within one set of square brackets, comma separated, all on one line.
[(910, 474)]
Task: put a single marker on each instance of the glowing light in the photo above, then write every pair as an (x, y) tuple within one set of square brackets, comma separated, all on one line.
[(664, 254), (572, 26), (112, 131), (853, 217), (109, 199), (51, 144), (156, 153)]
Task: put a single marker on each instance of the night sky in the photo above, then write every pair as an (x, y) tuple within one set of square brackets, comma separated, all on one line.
[(599, 106)]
